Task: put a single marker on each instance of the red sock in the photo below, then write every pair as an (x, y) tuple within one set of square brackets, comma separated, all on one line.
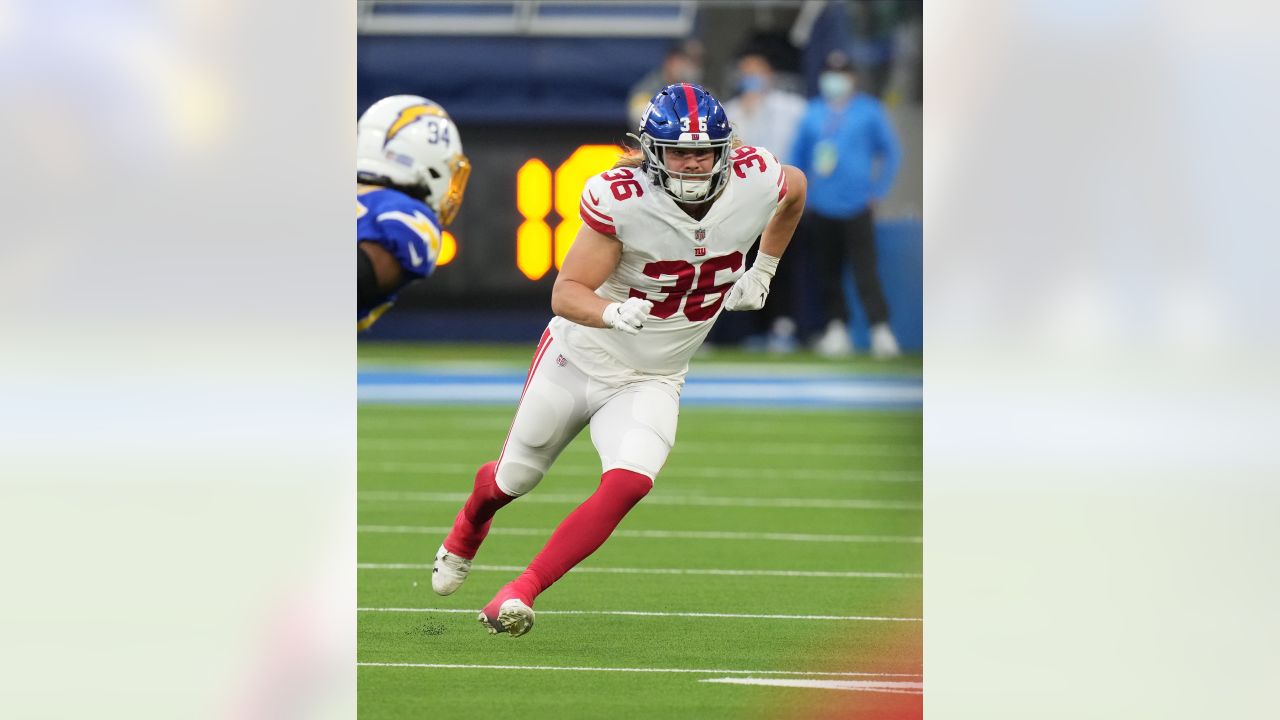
[(472, 524), (580, 534)]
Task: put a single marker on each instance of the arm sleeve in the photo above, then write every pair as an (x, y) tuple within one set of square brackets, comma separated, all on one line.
[(596, 206), (886, 143)]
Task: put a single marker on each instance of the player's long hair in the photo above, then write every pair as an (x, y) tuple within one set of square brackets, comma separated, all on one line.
[(634, 158)]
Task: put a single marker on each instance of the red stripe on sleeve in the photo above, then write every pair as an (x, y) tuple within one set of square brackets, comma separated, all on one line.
[(782, 192), (597, 214), (600, 227), (692, 102)]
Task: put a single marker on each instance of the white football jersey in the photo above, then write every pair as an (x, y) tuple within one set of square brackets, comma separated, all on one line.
[(684, 266)]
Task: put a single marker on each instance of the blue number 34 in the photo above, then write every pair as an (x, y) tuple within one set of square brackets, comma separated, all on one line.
[(437, 134)]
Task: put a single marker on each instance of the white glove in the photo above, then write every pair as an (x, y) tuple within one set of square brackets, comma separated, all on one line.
[(752, 288), (627, 316)]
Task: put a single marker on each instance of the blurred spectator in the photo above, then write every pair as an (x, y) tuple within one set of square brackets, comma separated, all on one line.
[(874, 25), (764, 115), (842, 137), (682, 64), (820, 28), (761, 114), (882, 37), (906, 74)]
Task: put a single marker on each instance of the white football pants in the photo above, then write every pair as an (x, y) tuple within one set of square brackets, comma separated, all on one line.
[(633, 425)]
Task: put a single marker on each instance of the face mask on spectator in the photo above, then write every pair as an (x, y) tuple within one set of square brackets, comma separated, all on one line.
[(751, 83), (835, 86)]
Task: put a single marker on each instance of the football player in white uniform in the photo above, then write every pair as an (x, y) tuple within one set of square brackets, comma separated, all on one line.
[(659, 257)]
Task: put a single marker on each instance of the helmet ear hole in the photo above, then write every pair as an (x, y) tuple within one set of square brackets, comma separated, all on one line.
[(435, 174)]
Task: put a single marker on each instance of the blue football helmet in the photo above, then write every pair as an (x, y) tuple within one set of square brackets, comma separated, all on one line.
[(685, 116)]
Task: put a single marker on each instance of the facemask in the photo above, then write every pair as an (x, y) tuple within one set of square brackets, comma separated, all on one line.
[(693, 186), (751, 83), (835, 86), (688, 189)]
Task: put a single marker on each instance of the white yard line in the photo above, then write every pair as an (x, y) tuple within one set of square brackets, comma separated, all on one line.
[(695, 671), (739, 448), (741, 423), (396, 415), (665, 571), (660, 499), (716, 377), (816, 393), (885, 686), (830, 416), (718, 433), (640, 613), (719, 472), (662, 534), (424, 430)]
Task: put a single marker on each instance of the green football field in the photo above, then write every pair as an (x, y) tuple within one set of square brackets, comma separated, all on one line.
[(777, 545)]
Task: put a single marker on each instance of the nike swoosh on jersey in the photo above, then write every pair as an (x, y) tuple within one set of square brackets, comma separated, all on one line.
[(414, 256), (594, 200)]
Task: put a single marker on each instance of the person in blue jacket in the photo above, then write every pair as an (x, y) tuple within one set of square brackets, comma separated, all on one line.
[(848, 150)]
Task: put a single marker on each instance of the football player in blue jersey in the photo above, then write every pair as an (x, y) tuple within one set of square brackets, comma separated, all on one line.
[(410, 176)]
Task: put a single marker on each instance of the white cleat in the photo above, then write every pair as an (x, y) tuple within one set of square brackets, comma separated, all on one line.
[(883, 344), (513, 617), (449, 572), (835, 342)]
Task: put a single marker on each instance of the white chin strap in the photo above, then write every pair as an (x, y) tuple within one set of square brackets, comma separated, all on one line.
[(688, 189)]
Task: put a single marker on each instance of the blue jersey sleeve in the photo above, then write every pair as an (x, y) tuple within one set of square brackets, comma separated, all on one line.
[(406, 227)]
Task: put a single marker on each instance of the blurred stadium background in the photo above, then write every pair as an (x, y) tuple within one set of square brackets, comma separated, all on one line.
[(1102, 351), (540, 91), (795, 486)]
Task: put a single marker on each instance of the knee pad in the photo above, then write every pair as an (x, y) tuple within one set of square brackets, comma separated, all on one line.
[(635, 430), (516, 478), (658, 412)]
